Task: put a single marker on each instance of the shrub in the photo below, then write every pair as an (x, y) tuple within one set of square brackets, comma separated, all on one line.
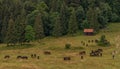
[(103, 41), (67, 46)]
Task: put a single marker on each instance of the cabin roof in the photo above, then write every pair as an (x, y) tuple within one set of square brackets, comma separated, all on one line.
[(88, 30)]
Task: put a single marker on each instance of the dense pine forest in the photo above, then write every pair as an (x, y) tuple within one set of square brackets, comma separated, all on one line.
[(27, 20)]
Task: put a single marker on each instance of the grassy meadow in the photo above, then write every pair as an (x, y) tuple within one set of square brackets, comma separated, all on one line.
[(57, 48)]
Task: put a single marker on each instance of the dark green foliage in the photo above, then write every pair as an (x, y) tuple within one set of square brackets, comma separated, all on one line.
[(103, 41), (85, 24), (3, 30), (38, 27), (11, 33), (55, 5), (42, 7), (114, 17), (80, 15), (64, 17), (57, 27), (72, 25), (20, 27), (29, 33), (67, 46), (31, 17), (92, 18), (72, 16)]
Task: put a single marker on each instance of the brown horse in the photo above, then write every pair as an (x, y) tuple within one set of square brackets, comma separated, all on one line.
[(82, 53), (6, 57), (47, 52), (67, 58)]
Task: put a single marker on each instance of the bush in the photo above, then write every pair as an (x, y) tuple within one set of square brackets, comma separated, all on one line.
[(67, 46), (103, 41)]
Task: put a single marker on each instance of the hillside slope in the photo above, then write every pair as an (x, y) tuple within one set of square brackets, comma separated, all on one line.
[(56, 47)]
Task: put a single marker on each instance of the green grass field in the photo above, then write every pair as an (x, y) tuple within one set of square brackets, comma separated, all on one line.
[(56, 47)]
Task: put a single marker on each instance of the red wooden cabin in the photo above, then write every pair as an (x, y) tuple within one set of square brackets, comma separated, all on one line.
[(89, 31)]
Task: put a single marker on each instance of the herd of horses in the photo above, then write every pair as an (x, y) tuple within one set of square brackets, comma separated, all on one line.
[(26, 57), (94, 53)]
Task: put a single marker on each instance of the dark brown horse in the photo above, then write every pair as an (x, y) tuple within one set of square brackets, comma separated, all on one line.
[(82, 53), (67, 58)]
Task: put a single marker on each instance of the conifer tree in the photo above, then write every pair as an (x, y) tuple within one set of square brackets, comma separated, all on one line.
[(92, 18), (64, 17), (38, 27), (57, 28), (73, 25), (4, 29), (29, 33), (11, 33), (80, 15), (20, 26), (55, 5)]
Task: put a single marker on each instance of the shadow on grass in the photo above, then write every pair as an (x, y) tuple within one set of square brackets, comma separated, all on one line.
[(24, 46)]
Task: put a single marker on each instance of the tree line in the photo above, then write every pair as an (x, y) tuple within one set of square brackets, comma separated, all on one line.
[(26, 20)]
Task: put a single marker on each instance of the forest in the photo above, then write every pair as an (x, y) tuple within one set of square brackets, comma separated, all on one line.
[(27, 20)]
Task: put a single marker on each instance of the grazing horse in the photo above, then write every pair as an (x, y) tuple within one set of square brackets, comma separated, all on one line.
[(82, 57), (100, 50), (82, 53), (22, 57), (6, 57), (81, 41), (96, 41), (38, 57), (92, 41), (33, 55), (19, 57), (47, 53), (67, 58), (86, 44), (89, 41)]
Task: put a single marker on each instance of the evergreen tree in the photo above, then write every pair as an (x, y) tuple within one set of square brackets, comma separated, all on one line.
[(42, 7), (73, 25), (4, 29), (80, 15), (55, 5), (38, 27), (106, 11), (64, 17), (89, 14), (31, 17), (85, 24), (11, 32), (43, 10), (20, 26), (92, 18), (29, 33), (57, 27)]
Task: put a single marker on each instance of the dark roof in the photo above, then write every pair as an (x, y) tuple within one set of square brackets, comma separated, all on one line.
[(88, 30)]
